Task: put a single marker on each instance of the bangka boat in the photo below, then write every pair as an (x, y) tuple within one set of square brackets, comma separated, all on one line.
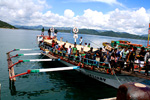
[(91, 68), (101, 71)]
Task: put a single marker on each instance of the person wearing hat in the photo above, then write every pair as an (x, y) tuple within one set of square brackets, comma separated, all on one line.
[(147, 62)]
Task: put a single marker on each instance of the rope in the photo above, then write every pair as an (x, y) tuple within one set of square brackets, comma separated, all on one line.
[(115, 75), (92, 42)]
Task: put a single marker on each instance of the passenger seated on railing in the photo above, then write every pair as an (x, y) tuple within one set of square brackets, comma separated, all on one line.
[(82, 54), (91, 55), (141, 58), (99, 55)]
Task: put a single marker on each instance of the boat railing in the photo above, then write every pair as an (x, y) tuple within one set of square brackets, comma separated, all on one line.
[(86, 61), (79, 58)]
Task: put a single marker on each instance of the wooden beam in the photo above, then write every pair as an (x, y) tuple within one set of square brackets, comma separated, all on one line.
[(11, 70)]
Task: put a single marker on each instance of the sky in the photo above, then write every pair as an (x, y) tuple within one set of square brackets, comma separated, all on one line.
[(130, 16)]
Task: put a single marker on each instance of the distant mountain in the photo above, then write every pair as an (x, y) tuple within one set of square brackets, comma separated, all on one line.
[(5, 25), (144, 35), (88, 31), (39, 27)]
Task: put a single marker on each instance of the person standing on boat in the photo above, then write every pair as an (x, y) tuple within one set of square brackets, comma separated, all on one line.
[(69, 51), (147, 62), (131, 48), (141, 58), (42, 31), (123, 56), (49, 33), (74, 49), (85, 45), (131, 59), (82, 54), (80, 40), (89, 45), (55, 33), (115, 45)]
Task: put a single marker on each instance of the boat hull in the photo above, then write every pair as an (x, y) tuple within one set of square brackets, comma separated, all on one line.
[(112, 80)]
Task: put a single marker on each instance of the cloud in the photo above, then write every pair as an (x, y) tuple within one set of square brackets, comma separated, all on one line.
[(68, 13), (19, 10), (110, 2), (29, 12)]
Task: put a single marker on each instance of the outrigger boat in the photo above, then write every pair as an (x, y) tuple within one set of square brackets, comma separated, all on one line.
[(91, 68)]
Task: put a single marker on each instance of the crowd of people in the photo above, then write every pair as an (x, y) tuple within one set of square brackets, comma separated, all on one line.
[(126, 58), (51, 32)]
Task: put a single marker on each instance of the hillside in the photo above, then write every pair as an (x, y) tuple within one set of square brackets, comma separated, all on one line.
[(88, 31), (111, 34), (5, 25)]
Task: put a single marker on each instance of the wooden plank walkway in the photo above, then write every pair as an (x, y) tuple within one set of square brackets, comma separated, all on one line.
[(86, 49)]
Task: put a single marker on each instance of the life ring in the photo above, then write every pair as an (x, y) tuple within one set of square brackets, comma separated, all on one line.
[(52, 29), (75, 30)]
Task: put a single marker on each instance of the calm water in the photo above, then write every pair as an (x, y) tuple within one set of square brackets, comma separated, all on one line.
[(64, 85)]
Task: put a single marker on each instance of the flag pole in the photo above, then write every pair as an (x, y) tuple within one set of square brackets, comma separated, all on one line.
[(148, 34)]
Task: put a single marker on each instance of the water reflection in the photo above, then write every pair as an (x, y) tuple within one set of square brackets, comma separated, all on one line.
[(12, 87)]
